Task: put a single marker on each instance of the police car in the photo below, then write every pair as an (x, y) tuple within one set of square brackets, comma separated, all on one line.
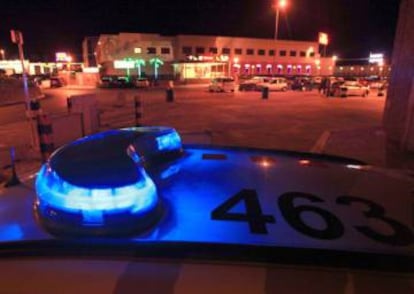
[(135, 210)]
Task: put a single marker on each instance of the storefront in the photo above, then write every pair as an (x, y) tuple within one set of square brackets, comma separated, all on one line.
[(202, 67)]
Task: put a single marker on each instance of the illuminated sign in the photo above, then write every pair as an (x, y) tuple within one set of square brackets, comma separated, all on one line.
[(377, 58), (90, 69), (220, 58), (323, 39), (124, 64), (63, 57)]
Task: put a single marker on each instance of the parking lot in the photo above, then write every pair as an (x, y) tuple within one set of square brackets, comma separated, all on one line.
[(292, 120)]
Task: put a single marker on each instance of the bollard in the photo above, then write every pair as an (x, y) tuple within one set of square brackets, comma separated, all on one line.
[(138, 110), (35, 108), (14, 179), (169, 95), (265, 93), (69, 103), (32, 113), (45, 131)]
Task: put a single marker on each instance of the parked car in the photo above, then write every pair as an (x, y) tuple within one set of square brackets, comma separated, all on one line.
[(350, 88), (302, 84), (334, 89), (106, 81), (251, 84), (116, 82), (224, 84), (274, 84)]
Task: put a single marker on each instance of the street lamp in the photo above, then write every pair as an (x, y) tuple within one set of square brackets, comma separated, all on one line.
[(279, 5)]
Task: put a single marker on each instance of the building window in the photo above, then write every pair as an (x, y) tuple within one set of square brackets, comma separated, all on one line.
[(151, 50), (250, 52), (187, 50), (261, 52), (200, 50), (282, 52), (165, 50), (225, 51), (138, 50), (213, 50), (271, 52), (238, 51), (293, 53), (302, 54), (312, 54)]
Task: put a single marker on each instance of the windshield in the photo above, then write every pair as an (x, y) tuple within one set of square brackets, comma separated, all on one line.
[(259, 133)]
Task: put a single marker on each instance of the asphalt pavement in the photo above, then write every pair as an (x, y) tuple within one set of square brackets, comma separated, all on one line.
[(298, 121)]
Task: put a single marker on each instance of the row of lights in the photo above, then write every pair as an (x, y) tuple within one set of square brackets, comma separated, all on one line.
[(363, 68)]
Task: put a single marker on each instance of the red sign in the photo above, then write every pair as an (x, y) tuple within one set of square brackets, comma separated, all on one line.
[(323, 39), (16, 37)]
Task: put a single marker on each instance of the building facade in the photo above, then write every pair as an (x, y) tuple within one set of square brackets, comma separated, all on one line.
[(362, 70), (187, 57)]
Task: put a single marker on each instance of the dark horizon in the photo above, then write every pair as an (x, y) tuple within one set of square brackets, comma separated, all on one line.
[(355, 27)]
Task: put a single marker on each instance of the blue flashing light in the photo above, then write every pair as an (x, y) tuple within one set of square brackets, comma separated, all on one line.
[(137, 198), (168, 142)]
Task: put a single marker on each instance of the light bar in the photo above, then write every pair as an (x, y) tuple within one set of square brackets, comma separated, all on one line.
[(55, 192), (169, 142)]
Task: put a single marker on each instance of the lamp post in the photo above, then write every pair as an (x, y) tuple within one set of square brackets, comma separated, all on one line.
[(280, 4)]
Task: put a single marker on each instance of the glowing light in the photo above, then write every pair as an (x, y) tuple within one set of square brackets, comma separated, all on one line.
[(53, 191), (281, 4), (353, 166), (335, 58), (236, 60), (63, 57), (11, 232), (124, 64), (170, 141), (323, 39), (304, 162), (138, 50), (377, 58), (91, 70), (269, 66)]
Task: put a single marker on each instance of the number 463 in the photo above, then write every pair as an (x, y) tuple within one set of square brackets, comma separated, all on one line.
[(334, 229)]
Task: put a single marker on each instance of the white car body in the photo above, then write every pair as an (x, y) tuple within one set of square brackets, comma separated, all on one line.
[(275, 84), (222, 85), (353, 89)]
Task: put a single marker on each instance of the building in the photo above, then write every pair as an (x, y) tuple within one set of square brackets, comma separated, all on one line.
[(361, 69), (88, 51), (186, 57)]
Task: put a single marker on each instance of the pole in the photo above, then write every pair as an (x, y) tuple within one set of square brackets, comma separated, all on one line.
[(29, 113), (277, 23), (24, 75)]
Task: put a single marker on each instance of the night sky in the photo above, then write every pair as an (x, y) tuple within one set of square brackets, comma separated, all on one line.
[(356, 27)]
